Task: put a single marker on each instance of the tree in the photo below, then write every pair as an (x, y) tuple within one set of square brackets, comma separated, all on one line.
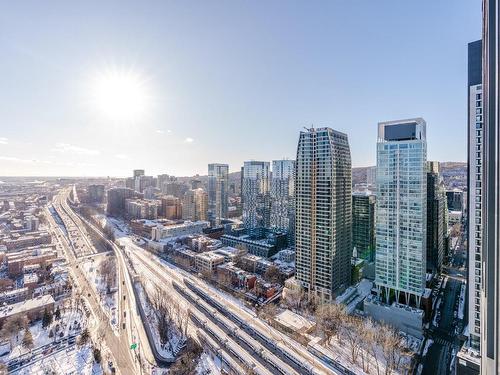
[(350, 329), (329, 318), (272, 274), (12, 327), (97, 355), (84, 337), (47, 318), (28, 340), (57, 314), (107, 269)]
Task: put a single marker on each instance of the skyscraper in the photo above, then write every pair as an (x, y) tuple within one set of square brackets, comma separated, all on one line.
[(256, 198), (323, 242), (195, 205), (401, 212), (282, 197), (490, 299), (363, 225), (475, 182), (436, 219), (217, 192)]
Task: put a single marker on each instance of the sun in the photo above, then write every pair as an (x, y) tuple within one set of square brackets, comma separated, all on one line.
[(120, 95)]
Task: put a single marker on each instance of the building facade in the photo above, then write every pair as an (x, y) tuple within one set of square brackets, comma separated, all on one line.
[(490, 200), (437, 229), (256, 196), (218, 175), (282, 197), (323, 204), (401, 210), (363, 225), (195, 205)]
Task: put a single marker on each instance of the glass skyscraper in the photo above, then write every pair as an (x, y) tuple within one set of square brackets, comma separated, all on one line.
[(401, 210), (282, 197), (323, 238), (256, 198), (363, 225), (217, 192)]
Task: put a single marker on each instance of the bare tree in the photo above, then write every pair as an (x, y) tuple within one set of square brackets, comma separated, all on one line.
[(107, 269), (329, 318), (272, 274), (12, 327)]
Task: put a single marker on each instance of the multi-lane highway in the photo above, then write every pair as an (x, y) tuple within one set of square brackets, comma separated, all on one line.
[(117, 341)]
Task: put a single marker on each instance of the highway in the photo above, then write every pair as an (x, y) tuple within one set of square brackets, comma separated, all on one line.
[(117, 341)]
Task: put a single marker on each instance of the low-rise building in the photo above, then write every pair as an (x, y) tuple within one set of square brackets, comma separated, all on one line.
[(176, 230), (14, 296), (31, 308), (206, 263)]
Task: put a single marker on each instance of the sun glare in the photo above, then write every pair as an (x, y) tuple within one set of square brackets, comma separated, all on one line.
[(120, 95)]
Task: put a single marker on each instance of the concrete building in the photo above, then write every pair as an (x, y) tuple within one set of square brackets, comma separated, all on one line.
[(171, 207), (282, 197), (206, 263), (490, 202), (323, 238), (117, 198), (437, 228), (455, 200), (31, 308), (475, 188), (218, 195), (195, 205), (363, 225), (176, 230), (256, 197), (96, 193), (142, 209), (401, 210)]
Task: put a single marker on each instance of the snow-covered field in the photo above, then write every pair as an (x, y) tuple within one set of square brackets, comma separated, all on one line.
[(76, 360), (108, 301)]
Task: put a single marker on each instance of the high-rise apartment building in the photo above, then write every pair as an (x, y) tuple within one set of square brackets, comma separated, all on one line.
[(363, 225), (282, 197), (218, 197), (256, 196), (139, 173), (323, 188), (195, 205), (475, 185), (171, 207), (436, 219), (401, 210), (117, 198), (490, 199)]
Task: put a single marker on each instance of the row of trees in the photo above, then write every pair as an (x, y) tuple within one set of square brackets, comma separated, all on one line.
[(170, 316), (368, 342), (107, 270)]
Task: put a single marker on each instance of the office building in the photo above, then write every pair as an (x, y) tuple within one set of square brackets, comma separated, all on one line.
[(371, 176), (437, 229), (490, 199), (323, 209), (217, 193), (455, 200), (363, 225), (96, 193), (282, 197), (195, 205), (256, 197), (139, 173), (401, 210)]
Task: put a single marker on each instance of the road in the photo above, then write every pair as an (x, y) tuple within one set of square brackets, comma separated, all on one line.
[(437, 361), (116, 341)]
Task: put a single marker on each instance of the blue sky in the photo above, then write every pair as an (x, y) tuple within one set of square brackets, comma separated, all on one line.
[(226, 81)]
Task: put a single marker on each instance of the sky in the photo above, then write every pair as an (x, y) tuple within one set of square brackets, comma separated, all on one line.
[(223, 81)]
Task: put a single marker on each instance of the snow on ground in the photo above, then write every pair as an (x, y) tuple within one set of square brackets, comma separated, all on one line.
[(208, 365), (175, 339), (41, 335), (108, 300), (75, 360)]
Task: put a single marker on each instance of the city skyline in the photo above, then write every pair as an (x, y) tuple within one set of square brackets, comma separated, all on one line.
[(178, 118)]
